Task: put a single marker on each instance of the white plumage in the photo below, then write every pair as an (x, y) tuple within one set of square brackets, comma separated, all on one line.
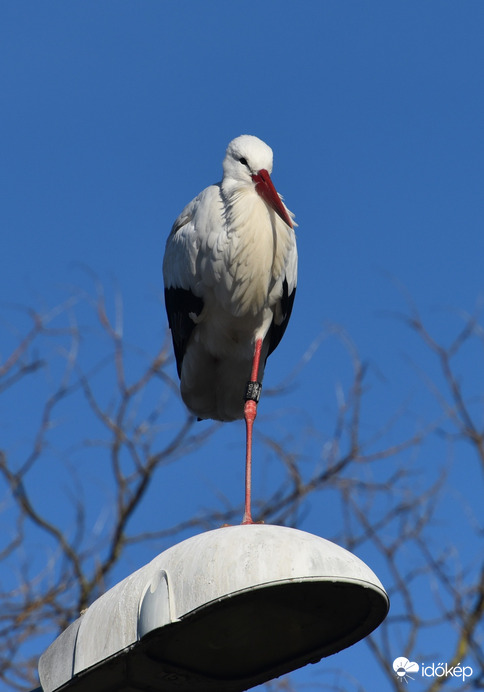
[(230, 273)]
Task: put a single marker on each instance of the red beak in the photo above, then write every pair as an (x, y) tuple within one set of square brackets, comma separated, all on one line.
[(265, 188)]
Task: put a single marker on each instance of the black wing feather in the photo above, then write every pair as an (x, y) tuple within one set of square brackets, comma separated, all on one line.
[(179, 303), (277, 330)]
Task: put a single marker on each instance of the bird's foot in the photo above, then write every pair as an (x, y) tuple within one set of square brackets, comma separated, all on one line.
[(248, 520)]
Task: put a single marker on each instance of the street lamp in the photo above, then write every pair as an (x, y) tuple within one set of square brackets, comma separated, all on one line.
[(224, 610)]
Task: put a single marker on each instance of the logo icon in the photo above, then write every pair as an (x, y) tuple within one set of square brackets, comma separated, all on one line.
[(403, 667)]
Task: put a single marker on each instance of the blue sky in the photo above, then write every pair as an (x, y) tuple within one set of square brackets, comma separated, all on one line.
[(115, 114)]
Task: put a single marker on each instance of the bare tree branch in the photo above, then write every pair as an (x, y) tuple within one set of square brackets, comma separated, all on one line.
[(387, 500)]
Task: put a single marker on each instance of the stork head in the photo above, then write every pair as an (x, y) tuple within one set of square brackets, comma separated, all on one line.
[(248, 160)]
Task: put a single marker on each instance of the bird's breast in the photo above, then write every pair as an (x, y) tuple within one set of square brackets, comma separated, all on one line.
[(249, 256)]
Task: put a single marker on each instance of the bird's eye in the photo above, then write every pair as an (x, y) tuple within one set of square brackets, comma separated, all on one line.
[(243, 161)]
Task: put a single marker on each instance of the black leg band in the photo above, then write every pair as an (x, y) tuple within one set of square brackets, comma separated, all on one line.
[(252, 392)]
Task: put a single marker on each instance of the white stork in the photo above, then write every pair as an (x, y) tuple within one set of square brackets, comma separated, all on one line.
[(230, 273)]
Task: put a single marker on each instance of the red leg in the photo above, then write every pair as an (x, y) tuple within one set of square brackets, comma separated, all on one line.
[(250, 412)]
